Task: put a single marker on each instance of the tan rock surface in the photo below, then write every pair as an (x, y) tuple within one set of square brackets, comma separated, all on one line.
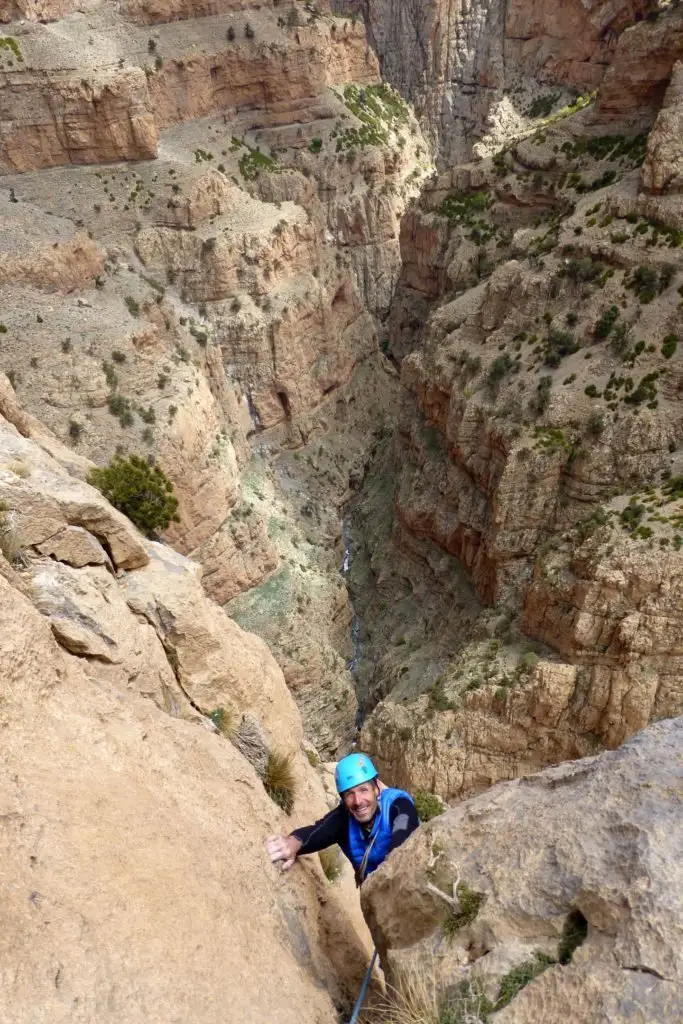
[(42, 499), (159, 798), (42, 10), (75, 546), (133, 862), (62, 267), (599, 838)]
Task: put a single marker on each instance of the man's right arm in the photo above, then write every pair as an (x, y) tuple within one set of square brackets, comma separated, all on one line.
[(323, 833), (311, 839)]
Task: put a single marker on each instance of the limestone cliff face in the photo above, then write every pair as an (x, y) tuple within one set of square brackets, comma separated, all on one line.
[(128, 819), (538, 447), (467, 66), (532, 898)]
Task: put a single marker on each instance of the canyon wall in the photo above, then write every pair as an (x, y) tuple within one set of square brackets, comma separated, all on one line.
[(537, 324), (476, 69), (200, 212)]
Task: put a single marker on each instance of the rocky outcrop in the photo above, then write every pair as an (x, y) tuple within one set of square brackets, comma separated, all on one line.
[(663, 168), (42, 10), (547, 892), (208, 288), (567, 42), (51, 115), (63, 266), (635, 84), (516, 460), (122, 671)]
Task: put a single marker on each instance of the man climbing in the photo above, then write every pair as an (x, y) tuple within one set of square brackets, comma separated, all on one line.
[(370, 822)]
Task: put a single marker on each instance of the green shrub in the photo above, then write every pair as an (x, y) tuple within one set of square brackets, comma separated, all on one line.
[(428, 805), (666, 276), (254, 161), (120, 407), (606, 322), (543, 105), (644, 281), (461, 207), (669, 345), (315, 145), (595, 424), (75, 430), (621, 338), (142, 492), (498, 369), (541, 399), (11, 44), (520, 976), (645, 391), (279, 781), (133, 305), (470, 904), (585, 269), (632, 515), (438, 699), (558, 344)]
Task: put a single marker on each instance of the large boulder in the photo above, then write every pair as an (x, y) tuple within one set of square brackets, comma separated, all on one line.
[(589, 850)]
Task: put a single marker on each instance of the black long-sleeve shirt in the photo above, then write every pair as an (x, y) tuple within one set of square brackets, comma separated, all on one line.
[(333, 828)]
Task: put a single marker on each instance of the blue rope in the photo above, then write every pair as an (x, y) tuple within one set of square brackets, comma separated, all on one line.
[(363, 990)]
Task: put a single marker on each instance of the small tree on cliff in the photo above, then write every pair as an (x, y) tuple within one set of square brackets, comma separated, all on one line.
[(142, 492)]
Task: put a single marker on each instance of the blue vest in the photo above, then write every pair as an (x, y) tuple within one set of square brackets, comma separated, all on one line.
[(358, 840)]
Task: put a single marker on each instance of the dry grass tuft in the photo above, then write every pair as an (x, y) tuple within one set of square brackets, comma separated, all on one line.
[(420, 999), (252, 743), (279, 780), (9, 538), (225, 721)]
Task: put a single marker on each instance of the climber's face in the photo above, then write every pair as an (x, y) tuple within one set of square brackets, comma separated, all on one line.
[(361, 801)]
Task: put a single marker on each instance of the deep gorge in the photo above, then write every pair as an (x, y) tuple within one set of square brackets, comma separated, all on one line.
[(392, 293)]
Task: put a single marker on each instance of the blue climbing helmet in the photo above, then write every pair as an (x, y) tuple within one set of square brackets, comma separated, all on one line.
[(353, 770)]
